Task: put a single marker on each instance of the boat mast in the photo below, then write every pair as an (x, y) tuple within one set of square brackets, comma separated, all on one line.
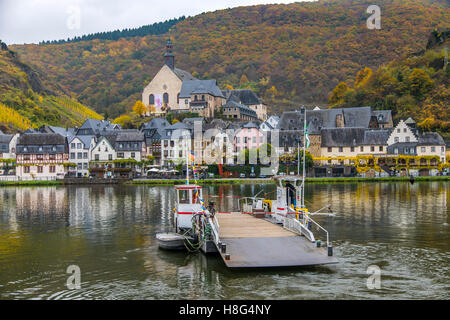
[(304, 153), (187, 161)]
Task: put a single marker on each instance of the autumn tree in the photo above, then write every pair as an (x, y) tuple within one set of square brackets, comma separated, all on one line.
[(244, 80), (420, 82), (362, 77), (139, 108), (338, 93)]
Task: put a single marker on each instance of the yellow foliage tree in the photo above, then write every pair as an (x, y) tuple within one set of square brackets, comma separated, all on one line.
[(362, 77), (338, 93), (139, 108), (123, 120)]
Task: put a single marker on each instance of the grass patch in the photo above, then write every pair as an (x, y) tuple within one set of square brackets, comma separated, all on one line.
[(30, 183)]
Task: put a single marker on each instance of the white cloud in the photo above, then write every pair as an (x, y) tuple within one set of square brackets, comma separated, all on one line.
[(31, 21)]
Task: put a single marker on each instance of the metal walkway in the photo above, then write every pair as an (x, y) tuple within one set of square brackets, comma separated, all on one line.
[(254, 243)]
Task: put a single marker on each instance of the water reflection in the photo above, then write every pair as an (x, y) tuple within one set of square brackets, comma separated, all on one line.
[(109, 232)]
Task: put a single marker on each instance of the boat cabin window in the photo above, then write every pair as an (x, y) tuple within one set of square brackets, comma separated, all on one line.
[(183, 196)]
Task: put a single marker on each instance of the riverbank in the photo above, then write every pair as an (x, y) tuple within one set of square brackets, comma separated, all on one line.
[(268, 180), (214, 181)]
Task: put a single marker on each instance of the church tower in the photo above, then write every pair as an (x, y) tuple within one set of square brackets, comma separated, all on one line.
[(169, 57)]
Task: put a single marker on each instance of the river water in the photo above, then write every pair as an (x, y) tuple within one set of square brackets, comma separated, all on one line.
[(109, 232)]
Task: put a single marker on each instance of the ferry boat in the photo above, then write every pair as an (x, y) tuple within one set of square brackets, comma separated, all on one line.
[(263, 233)]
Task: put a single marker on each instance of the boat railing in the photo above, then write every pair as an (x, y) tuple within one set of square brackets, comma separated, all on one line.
[(215, 228), (302, 227), (247, 204)]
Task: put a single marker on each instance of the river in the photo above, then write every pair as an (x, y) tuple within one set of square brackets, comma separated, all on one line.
[(109, 233)]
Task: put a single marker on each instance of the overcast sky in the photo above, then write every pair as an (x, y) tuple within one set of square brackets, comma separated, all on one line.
[(31, 21)]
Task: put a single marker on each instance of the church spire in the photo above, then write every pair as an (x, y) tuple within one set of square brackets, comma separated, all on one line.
[(169, 57)]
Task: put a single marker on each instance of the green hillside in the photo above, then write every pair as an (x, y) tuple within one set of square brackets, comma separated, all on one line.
[(28, 100), (289, 54)]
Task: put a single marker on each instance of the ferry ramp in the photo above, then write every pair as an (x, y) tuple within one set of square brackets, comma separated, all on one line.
[(256, 243)]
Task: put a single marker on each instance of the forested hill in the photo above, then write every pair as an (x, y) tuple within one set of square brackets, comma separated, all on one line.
[(289, 54), (28, 99), (152, 29), (417, 86)]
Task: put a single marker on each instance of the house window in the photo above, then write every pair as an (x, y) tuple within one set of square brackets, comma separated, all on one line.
[(341, 149), (404, 130), (52, 169), (396, 150), (178, 98), (79, 146), (372, 148), (433, 149), (72, 155), (330, 149), (109, 157), (120, 155), (406, 150), (381, 148), (133, 155), (254, 139), (85, 155), (40, 169), (97, 157), (396, 139), (152, 99), (352, 149), (80, 155), (398, 130), (80, 166), (407, 139), (26, 169), (166, 98), (72, 145), (422, 149)]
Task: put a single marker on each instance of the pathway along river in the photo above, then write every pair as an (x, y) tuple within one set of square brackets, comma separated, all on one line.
[(109, 232)]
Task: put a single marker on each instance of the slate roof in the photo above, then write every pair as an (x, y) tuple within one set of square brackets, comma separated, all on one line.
[(183, 75), (200, 87), (85, 140), (65, 132), (343, 137), (93, 126), (376, 137), (243, 108), (179, 127), (5, 140), (409, 148), (431, 138), (155, 123), (383, 116), (244, 96), (351, 137), (49, 142), (129, 136), (325, 118)]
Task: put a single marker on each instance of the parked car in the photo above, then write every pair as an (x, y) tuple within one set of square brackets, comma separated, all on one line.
[(242, 175), (211, 175), (262, 176), (252, 175)]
